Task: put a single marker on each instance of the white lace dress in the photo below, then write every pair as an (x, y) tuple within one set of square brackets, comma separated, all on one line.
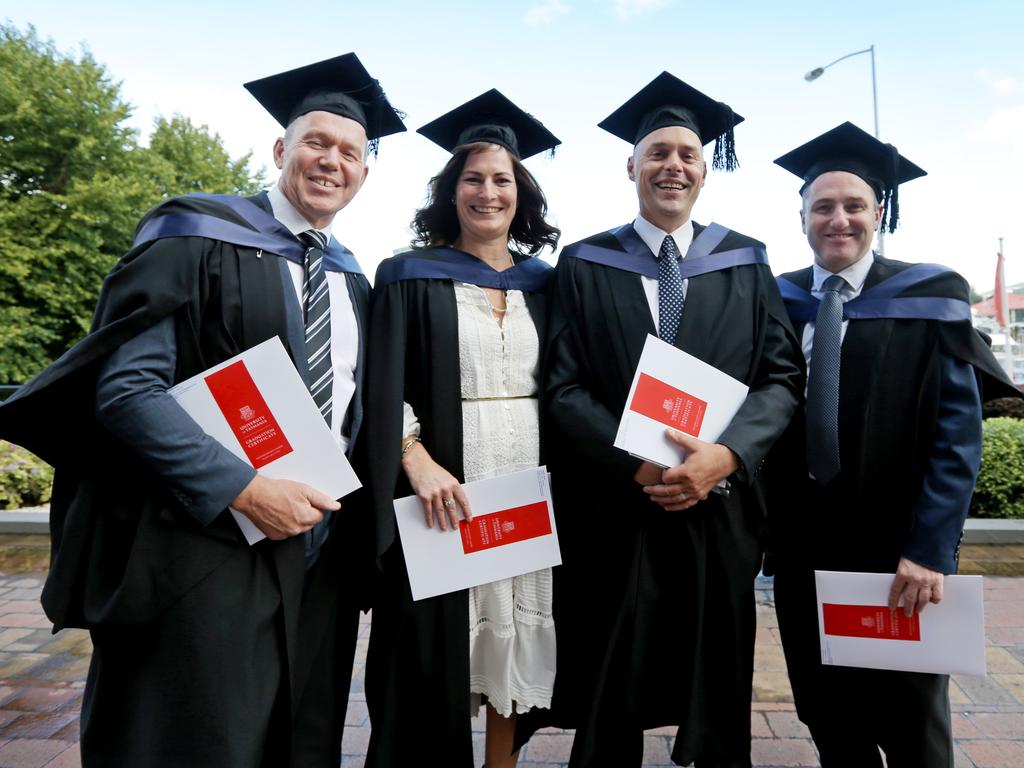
[(511, 631)]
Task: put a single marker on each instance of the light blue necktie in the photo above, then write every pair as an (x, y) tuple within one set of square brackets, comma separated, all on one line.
[(670, 290), (823, 384)]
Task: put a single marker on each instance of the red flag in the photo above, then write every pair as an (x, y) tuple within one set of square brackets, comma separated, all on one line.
[(1002, 316)]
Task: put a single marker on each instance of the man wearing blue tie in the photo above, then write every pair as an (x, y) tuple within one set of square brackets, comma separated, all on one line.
[(208, 651), (655, 602), (876, 472)]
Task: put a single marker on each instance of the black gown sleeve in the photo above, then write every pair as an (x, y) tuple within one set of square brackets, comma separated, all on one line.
[(132, 403), (571, 406), (775, 389), (385, 390)]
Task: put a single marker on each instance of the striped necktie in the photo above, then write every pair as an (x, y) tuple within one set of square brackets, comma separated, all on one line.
[(316, 312), (823, 384), (670, 290)]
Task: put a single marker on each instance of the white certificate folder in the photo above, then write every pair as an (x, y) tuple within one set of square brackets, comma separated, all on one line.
[(512, 532), (857, 629), (257, 406), (672, 389)]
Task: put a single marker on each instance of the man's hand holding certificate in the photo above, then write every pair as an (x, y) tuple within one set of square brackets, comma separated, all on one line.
[(859, 628), (279, 509), (677, 407), (257, 406), (703, 471)]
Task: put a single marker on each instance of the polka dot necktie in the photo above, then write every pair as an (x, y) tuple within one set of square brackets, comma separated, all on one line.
[(316, 312), (823, 384), (670, 290)]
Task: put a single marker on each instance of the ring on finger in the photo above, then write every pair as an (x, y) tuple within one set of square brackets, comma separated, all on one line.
[(448, 503), (683, 497)]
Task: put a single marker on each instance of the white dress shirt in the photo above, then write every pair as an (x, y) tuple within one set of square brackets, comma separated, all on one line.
[(653, 238), (344, 328)]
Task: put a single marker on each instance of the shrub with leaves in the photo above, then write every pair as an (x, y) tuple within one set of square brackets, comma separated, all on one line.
[(1000, 488), (25, 480)]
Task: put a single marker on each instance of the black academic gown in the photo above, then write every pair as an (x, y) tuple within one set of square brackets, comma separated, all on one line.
[(889, 393), (888, 407), (655, 610), (417, 673), (181, 615)]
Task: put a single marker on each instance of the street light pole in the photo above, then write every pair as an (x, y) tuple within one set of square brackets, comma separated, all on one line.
[(817, 72), (1009, 350), (874, 88)]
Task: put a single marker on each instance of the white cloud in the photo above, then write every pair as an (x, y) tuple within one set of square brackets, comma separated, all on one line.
[(1004, 127), (1003, 85), (627, 9), (998, 83), (546, 12)]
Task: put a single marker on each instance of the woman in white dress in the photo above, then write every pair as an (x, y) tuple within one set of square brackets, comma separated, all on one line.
[(455, 356)]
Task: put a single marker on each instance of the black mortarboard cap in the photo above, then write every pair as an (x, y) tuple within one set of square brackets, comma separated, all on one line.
[(847, 148), (340, 85), (493, 118), (667, 100)]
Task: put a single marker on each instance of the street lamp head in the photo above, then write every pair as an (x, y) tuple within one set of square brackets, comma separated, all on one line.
[(814, 74)]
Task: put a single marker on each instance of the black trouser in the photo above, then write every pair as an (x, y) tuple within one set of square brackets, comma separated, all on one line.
[(852, 712), (625, 748), (199, 686), (205, 683), (328, 627)]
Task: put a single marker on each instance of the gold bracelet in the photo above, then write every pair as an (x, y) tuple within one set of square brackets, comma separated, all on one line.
[(407, 444)]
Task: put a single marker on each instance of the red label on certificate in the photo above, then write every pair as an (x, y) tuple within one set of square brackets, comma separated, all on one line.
[(672, 407), (505, 527), (873, 621), (247, 414)]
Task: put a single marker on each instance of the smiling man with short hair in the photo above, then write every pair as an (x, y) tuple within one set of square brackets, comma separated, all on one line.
[(877, 470), (322, 159), (655, 602), (209, 651)]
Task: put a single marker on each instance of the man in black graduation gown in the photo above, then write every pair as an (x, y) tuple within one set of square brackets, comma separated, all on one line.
[(655, 604), (208, 651), (876, 472)]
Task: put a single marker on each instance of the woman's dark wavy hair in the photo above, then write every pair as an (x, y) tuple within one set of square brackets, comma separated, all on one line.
[(437, 223)]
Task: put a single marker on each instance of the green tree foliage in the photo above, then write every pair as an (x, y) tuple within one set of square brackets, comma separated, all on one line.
[(184, 158), (999, 491), (74, 181)]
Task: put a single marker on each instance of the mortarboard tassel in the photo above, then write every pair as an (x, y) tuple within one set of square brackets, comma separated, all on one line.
[(372, 93), (892, 207), (724, 158), (551, 152)]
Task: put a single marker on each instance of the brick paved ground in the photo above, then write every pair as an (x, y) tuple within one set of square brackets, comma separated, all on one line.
[(41, 682)]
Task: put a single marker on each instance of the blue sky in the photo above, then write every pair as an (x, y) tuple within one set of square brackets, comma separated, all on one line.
[(950, 90)]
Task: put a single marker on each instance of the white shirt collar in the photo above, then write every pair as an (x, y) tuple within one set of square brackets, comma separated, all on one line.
[(854, 275), (288, 215), (653, 237)]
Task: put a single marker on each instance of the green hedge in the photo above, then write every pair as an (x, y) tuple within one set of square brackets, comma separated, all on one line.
[(25, 481), (1000, 488)]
